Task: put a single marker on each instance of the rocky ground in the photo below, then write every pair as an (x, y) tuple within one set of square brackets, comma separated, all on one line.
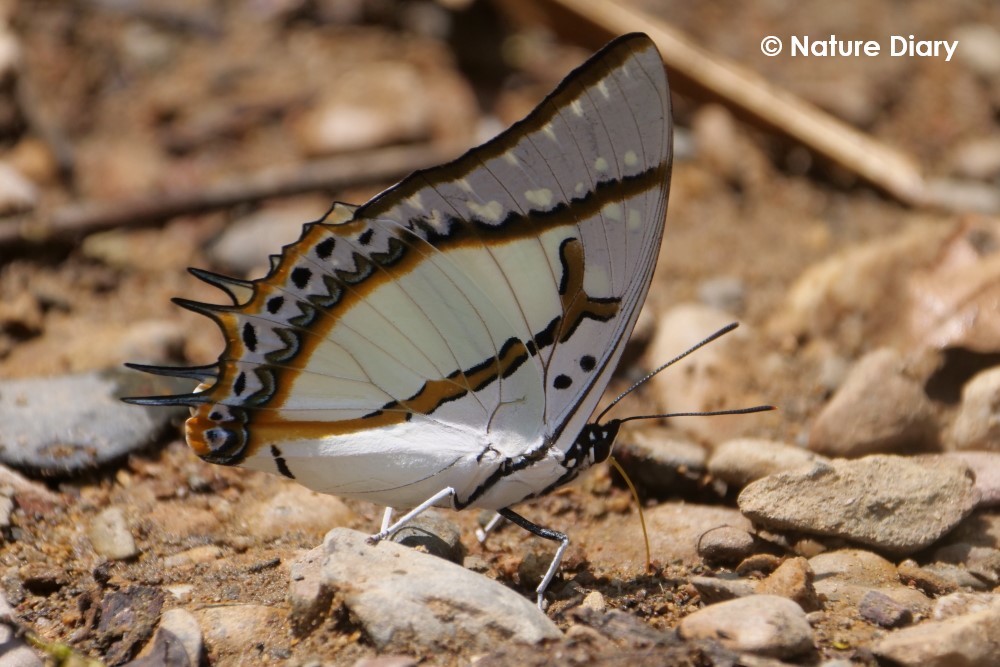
[(856, 524)]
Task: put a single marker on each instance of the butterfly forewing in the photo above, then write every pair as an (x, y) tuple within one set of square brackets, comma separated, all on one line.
[(458, 329)]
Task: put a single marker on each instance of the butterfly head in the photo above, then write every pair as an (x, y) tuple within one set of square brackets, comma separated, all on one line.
[(597, 440)]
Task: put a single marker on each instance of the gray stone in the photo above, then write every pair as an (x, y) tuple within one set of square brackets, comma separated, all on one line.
[(245, 244), (235, 633), (178, 632), (699, 381), (961, 640), (877, 409), (762, 624), (110, 536), (434, 533), (309, 595), (91, 427), (895, 504), (878, 608), (847, 575), (294, 508), (977, 425), (744, 460), (725, 545), (726, 293), (722, 587), (403, 597)]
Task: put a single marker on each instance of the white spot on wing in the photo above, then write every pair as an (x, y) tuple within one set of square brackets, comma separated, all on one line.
[(612, 211), (463, 184), (631, 159), (600, 164), (576, 107), (634, 218), (603, 87), (579, 188), (414, 201), (542, 197), (511, 158), (490, 211), (549, 132)]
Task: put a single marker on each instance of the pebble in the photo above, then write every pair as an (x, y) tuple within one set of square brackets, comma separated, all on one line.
[(878, 608), (962, 603), (659, 462), (293, 509), (203, 554), (845, 576), (674, 531), (766, 625), (978, 158), (309, 596), (793, 579), (110, 536), (365, 111), (725, 545), (595, 600), (91, 427), (433, 533), (744, 460), (725, 293), (700, 381), (983, 562), (980, 50), (723, 586), (126, 621), (977, 425), (6, 507), (240, 633), (986, 467), (14, 652), (836, 298), (892, 503), (177, 642), (930, 582), (246, 243), (877, 409), (969, 639), (402, 597), (17, 193)]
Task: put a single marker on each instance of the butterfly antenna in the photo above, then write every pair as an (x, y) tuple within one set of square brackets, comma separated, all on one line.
[(649, 376), (713, 413)]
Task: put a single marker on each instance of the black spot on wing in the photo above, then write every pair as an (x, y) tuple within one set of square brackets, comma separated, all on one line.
[(301, 276), (274, 304), (280, 463), (562, 382), (249, 336), (324, 249)]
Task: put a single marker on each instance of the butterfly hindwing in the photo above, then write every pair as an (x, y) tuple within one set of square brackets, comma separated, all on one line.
[(458, 329)]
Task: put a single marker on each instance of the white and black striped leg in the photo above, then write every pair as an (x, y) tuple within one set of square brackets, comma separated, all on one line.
[(386, 531), (548, 534)]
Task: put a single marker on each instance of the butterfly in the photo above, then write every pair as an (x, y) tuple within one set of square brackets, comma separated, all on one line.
[(446, 343)]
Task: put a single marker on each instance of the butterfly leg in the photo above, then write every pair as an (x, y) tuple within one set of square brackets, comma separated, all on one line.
[(483, 533), (548, 534), (386, 519), (409, 516)]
